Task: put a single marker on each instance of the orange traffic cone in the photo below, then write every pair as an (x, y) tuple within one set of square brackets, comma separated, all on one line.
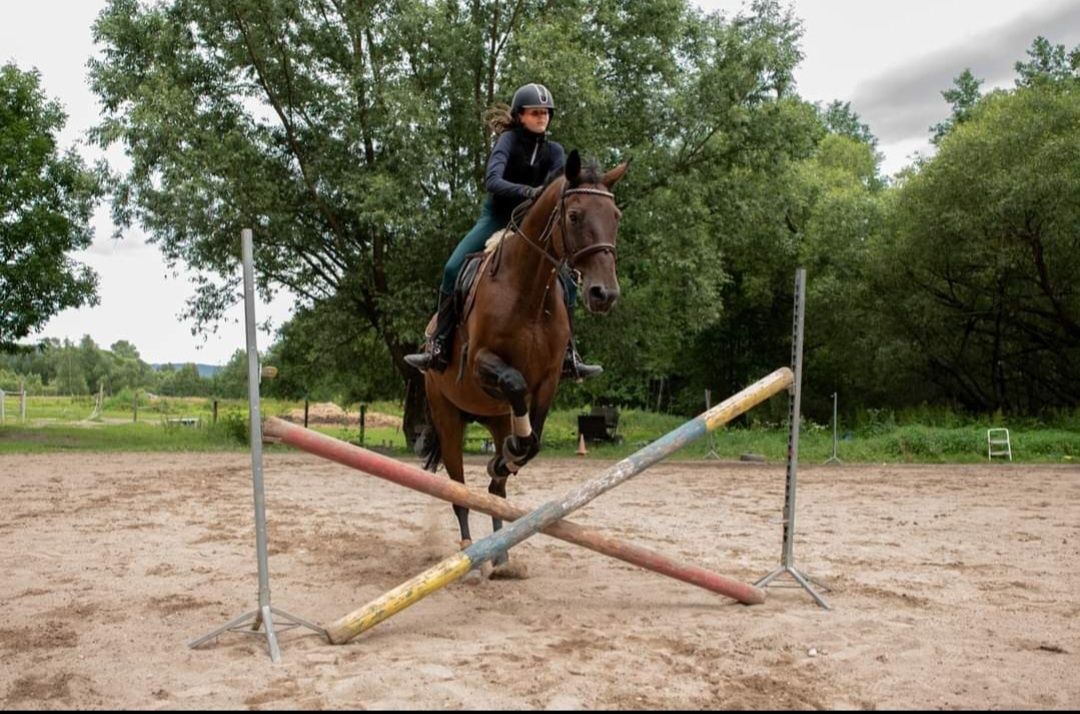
[(581, 450)]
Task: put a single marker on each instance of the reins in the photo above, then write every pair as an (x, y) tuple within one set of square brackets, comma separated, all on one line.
[(569, 256)]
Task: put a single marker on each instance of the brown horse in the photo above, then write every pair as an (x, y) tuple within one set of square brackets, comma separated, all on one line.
[(508, 351)]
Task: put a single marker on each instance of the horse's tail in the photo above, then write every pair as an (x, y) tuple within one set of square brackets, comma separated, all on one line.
[(431, 451), (428, 447)]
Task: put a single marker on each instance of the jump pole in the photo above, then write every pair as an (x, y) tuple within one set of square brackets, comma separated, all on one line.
[(457, 565), (392, 470)]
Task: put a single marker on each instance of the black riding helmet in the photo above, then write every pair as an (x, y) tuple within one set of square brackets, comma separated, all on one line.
[(532, 95)]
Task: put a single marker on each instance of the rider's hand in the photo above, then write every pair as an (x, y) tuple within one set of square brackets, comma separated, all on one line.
[(533, 191)]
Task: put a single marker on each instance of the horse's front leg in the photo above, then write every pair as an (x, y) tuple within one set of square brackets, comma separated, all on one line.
[(502, 381)]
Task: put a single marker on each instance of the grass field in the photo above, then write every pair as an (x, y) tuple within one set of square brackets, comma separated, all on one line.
[(71, 424)]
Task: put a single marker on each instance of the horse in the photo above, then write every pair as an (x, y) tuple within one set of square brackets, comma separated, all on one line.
[(508, 350)]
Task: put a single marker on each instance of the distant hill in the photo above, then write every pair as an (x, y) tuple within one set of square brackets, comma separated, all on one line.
[(205, 370)]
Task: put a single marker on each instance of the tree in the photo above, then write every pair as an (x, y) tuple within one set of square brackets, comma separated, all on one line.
[(755, 216), (46, 200), (348, 136), (68, 368), (231, 380), (127, 369), (313, 364), (839, 118), (963, 97), (1049, 64), (979, 269), (184, 382), (843, 212)]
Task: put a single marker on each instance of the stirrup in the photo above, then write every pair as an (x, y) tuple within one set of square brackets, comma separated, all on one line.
[(420, 360), (435, 357), (574, 368)]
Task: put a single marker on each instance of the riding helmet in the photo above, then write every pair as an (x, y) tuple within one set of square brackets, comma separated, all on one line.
[(532, 95)]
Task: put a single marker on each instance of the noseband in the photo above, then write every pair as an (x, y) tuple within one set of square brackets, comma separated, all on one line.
[(570, 256)]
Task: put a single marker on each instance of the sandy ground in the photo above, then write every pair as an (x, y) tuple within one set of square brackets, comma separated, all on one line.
[(951, 587)]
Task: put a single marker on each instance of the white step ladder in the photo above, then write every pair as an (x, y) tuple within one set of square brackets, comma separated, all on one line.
[(994, 438)]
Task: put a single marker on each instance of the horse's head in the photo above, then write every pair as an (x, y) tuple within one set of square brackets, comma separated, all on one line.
[(590, 222)]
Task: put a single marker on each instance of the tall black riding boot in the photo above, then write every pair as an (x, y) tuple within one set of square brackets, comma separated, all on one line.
[(573, 367), (437, 354)]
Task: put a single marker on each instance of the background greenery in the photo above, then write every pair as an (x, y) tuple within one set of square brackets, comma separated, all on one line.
[(57, 423), (349, 136)]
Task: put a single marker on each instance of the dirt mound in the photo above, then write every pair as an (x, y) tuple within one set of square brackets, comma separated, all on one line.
[(330, 413)]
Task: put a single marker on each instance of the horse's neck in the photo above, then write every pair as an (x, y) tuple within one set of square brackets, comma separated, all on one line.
[(531, 268)]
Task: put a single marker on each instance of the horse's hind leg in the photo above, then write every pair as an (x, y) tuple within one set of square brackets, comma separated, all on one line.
[(450, 426), (504, 382)]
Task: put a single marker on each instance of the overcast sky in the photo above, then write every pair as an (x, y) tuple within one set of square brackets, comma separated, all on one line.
[(890, 58)]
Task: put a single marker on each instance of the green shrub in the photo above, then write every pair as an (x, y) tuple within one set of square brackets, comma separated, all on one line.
[(233, 426)]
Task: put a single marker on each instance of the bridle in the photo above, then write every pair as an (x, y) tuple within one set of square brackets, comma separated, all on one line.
[(570, 256)]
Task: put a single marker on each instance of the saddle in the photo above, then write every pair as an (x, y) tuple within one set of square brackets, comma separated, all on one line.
[(464, 294)]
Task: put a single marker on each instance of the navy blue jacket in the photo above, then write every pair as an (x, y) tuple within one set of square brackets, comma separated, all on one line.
[(520, 159)]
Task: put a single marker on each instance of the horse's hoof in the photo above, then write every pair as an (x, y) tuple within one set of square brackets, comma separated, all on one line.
[(465, 543), (474, 577), (509, 571)]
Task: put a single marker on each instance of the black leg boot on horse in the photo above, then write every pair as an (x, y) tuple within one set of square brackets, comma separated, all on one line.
[(573, 367), (437, 354)]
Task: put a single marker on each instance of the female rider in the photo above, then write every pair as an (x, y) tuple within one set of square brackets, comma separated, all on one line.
[(519, 166)]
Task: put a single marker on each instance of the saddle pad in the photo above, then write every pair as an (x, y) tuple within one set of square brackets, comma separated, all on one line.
[(496, 238)]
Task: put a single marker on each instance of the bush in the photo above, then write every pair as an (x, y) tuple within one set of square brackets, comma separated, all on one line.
[(233, 425)]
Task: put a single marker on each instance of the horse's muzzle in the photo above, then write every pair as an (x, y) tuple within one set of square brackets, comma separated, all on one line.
[(600, 299)]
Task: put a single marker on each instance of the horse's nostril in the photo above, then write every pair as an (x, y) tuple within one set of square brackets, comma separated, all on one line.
[(598, 293)]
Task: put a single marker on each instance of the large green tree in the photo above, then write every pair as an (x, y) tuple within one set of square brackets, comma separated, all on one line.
[(701, 194), (842, 209), (980, 268), (349, 136), (46, 200)]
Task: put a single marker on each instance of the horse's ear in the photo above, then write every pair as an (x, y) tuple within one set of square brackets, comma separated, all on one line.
[(573, 168), (612, 177)]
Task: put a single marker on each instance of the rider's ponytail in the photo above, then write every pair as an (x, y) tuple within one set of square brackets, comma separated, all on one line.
[(499, 119)]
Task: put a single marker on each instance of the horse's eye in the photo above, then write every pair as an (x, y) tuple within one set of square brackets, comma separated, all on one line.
[(574, 216)]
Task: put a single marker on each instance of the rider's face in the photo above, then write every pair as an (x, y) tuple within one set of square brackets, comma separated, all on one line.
[(535, 119)]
